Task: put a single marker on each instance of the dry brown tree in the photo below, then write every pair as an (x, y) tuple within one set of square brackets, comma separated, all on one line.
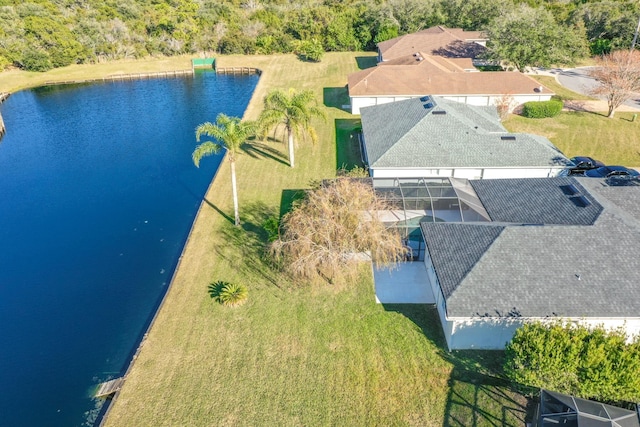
[(618, 75), (333, 229)]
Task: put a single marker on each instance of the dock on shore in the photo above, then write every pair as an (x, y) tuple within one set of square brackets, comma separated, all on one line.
[(122, 77), (3, 129), (238, 70), (109, 387)]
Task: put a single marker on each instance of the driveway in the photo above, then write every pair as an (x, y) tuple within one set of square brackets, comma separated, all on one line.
[(578, 80)]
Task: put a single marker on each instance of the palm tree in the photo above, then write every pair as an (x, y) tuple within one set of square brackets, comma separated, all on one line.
[(230, 133), (294, 110)]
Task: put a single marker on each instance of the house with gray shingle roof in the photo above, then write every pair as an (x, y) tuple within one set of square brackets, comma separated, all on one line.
[(435, 137), (560, 248)]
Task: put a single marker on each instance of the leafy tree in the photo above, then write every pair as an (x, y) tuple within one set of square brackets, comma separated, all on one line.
[(413, 15), (531, 37), (385, 32), (56, 39), (340, 34), (608, 24), (294, 111), (36, 60), (325, 232), (309, 50), (474, 14), (618, 76), (572, 359), (229, 133)]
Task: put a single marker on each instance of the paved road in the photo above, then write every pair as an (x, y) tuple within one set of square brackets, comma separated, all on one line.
[(577, 80)]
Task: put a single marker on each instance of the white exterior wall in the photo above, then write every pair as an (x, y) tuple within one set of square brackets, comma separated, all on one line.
[(478, 100), (470, 173), (487, 333)]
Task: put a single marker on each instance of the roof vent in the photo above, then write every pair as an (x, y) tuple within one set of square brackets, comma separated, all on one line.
[(427, 106), (508, 138), (439, 112), (569, 190), (425, 99), (580, 201)]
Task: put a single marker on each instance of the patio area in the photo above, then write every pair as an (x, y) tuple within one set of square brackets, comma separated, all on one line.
[(408, 284)]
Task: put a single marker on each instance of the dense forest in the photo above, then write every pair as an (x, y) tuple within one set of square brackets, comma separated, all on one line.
[(42, 34)]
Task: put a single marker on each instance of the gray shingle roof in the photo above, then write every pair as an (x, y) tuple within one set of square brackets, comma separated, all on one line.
[(548, 270), (405, 134), (536, 201)]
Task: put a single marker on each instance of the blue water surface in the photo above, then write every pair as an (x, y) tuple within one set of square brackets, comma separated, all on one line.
[(97, 196)]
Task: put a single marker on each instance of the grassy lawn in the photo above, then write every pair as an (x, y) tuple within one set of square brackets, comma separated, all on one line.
[(297, 354), (613, 141)]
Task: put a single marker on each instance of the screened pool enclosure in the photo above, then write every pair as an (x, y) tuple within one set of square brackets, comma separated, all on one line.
[(561, 409), (417, 200)]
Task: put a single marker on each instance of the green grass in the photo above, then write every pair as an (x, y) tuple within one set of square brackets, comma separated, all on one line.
[(297, 354), (613, 141), (560, 91)]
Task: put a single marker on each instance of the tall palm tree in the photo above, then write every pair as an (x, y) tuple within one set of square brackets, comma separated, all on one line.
[(294, 110), (229, 133)]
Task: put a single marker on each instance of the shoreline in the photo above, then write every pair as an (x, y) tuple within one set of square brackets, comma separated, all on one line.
[(112, 400)]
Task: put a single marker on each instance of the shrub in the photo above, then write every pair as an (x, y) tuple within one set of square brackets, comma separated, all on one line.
[(572, 359), (272, 226), (36, 60), (542, 109), (229, 294), (309, 50)]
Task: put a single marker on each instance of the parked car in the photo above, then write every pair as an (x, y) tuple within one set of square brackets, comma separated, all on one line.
[(612, 172), (583, 164)]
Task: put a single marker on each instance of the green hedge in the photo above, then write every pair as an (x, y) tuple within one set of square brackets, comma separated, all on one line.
[(542, 109), (573, 359)]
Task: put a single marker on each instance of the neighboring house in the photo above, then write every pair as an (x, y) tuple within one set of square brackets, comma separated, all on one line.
[(419, 74), (559, 248), (435, 137), (439, 40)]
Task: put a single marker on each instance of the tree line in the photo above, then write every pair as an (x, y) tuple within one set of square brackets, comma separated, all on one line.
[(38, 35)]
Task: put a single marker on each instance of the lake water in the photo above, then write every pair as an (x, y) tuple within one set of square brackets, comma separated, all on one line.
[(97, 196)]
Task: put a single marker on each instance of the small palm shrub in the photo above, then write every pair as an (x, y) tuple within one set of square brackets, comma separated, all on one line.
[(229, 294)]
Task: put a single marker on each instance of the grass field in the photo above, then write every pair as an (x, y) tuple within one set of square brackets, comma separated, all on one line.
[(613, 141), (294, 354)]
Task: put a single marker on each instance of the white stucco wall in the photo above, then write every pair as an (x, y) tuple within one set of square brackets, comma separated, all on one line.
[(487, 333), (358, 102), (470, 173)]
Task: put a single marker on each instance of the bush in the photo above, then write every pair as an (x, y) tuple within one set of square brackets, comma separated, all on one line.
[(229, 294), (309, 50), (36, 60), (542, 109), (589, 363), (272, 227)]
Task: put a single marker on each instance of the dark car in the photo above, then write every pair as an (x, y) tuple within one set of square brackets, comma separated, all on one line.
[(582, 164), (612, 172)]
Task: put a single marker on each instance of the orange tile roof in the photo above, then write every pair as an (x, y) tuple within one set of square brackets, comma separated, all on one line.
[(452, 42), (408, 80)]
